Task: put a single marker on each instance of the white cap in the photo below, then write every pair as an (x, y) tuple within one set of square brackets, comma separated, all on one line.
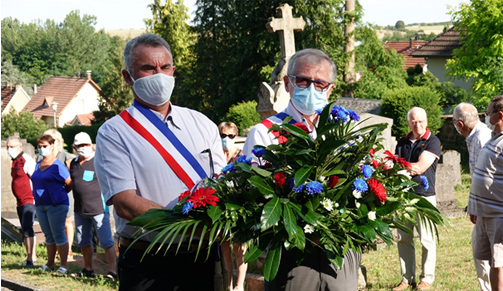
[(82, 138)]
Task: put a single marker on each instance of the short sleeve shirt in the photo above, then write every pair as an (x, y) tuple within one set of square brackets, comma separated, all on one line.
[(49, 184), (86, 189), (478, 137), (411, 151)]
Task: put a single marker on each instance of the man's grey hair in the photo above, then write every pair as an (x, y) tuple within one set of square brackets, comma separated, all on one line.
[(14, 138), (416, 109), (314, 57), (148, 39), (467, 113)]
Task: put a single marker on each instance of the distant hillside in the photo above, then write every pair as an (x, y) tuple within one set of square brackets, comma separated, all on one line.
[(126, 33), (426, 28)]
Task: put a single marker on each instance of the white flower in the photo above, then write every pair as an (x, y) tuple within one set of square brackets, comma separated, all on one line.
[(404, 173), (357, 194), (372, 215), (328, 204), (358, 204), (308, 228), (336, 205)]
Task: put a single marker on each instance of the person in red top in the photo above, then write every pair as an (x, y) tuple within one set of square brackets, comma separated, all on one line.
[(22, 168)]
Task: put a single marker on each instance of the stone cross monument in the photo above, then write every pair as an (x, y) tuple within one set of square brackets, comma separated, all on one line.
[(272, 97)]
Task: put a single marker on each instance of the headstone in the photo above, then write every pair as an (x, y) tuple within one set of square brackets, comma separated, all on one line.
[(272, 97), (447, 177)]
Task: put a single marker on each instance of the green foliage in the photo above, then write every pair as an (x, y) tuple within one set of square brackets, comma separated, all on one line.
[(23, 123), (396, 103), (480, 58), (382, 69), (12, 76), (116, 95), (69, 132), (244, 115), (400, 25)]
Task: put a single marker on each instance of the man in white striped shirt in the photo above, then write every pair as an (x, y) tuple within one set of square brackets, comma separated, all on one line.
[(485, 204)]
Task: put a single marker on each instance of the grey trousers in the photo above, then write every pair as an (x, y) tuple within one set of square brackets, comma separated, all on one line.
[(315, 273)]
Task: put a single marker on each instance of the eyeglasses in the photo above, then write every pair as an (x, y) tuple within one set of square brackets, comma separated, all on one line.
[(231, 136), (491, 114), (414, 122), (303, 83)]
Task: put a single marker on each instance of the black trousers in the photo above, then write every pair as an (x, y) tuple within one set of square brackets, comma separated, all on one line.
[(315, 273), (170, 272)]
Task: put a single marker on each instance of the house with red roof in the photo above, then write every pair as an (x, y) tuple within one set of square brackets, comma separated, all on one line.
[(14, 97), (66, 98), (405, 48), (437, 51)]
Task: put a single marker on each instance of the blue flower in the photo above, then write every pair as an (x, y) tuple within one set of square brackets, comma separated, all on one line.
[(314, 187), (243, 159), (367, 171), (425, 182), (296, 189), (258, 152), (353, 115), (319, 110), (187, 207), (360, 185), (228, 168)]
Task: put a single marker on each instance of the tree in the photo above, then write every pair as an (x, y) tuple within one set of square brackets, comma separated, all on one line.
[(12, 76), (243, 115), (116, 94), (23, 123), (400, 25), (480, 58)]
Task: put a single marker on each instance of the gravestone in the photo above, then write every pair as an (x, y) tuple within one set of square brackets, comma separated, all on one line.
[(447, 177), (272, 97)]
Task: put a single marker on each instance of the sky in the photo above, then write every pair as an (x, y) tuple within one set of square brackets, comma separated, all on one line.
[(129, 14)]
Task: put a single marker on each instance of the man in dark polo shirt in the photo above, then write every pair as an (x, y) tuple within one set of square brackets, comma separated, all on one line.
[(422, 149), (90, 208)]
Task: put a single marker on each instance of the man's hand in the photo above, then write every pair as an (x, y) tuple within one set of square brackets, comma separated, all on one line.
[(128, 205), (473, 218)]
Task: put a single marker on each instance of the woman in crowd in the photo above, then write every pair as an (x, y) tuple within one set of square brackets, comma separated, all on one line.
[(51, 183), (65, 158), (228, 133)]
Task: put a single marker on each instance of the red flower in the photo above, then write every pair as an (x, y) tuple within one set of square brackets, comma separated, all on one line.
[(183, 195), (372, 152), (281, 138), (203, 196), (332, 181), (404, 163), (302, 126), (401, 161), (378, 190), (376, 164), (279, 179)]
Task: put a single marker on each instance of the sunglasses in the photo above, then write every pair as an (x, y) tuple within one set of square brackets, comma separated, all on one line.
[(231, 136)]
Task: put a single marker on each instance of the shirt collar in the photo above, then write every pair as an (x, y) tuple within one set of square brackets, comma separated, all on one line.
[(425, 136)]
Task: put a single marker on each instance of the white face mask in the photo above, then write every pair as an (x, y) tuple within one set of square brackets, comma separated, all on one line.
[(155, 89), (13, 153), (488, 123), (457, 129), (227, 143), (84, 152)]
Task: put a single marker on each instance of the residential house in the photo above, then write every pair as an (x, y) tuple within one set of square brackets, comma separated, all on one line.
[(72, 96), (405, 48), (437, 51), (14, 97)]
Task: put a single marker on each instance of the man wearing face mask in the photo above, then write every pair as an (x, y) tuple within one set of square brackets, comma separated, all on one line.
[(145, 158), (310, 79), (465, 119), (23, 167), (485, 203), (90, 208)]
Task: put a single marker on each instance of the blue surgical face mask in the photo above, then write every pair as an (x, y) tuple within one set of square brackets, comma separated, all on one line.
[(44, 152), (308, 100)]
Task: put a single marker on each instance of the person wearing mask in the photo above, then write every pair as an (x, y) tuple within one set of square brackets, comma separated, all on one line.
[(145, 158), (422, 149), (228, 133), (90, 208), (23, 167), (51, 183), (65, 158), (310, 80), (485, 203), (465, 119)]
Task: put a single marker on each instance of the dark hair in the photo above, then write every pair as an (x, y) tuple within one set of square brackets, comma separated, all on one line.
[(148, 39), (46, 137), (497, 103)]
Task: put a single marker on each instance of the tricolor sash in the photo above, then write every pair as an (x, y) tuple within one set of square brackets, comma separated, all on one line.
[(144, 122), (278, 119)]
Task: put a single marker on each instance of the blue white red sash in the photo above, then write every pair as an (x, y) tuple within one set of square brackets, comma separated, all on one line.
[(277, 119), (157, 133)]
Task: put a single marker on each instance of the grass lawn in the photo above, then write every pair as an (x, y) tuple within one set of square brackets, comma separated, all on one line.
[(454, 269)]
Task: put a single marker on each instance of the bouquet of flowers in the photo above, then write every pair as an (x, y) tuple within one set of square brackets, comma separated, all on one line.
[(332, 192)]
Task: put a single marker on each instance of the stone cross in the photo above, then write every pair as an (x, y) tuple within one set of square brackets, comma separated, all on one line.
[(286, 25)]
